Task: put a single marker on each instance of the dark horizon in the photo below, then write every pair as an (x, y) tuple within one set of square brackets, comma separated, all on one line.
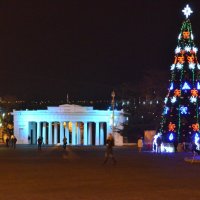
[(86, 49)]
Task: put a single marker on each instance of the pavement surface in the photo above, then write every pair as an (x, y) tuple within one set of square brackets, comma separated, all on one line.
[(78, 174)]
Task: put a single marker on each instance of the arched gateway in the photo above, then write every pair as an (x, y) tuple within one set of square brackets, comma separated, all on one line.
[(81, 125)]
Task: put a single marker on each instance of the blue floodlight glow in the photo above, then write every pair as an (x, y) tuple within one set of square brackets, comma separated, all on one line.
[(166, 109), (171, 136), (193, 99), (179, 66), (173, 99), (196, 140), (198, 86), (191, 66), (173, 67), (196, 137), (183, 110), (178, 49), (186, 86), (171, 86), (187, 48)]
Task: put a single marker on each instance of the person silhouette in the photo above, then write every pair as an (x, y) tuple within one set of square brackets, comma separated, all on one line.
[(40, 143), (109, 149)]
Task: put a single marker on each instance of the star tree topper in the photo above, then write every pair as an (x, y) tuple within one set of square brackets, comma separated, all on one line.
[(187, 11)]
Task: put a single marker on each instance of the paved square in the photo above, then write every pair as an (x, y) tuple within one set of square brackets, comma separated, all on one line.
[(78, 173)]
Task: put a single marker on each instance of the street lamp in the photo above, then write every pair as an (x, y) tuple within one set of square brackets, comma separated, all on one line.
[(113, 108)]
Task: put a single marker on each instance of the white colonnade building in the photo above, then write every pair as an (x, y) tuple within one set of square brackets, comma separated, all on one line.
[(80, 125)]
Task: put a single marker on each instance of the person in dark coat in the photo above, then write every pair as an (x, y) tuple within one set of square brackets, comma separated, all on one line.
[(64, 142), (14, 142), (175, 144), (109, 149), (39, 143), (7, 141)]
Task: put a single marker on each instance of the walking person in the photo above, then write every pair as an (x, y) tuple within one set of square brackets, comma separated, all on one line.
[(42, 141), (39, 143), (109, 149), (175, 142), (14, 142), (140, 144), (64, 142), (7, 141), (10, 142)]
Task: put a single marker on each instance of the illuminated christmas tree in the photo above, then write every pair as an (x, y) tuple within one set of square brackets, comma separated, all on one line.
[(180, 117)]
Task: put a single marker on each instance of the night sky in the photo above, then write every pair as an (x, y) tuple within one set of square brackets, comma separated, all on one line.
[(86, 48)]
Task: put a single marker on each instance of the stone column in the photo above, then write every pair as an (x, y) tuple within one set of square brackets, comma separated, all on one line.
[(101, 134), (90, 134), (85, 134), (50, 133), (74, 142), (67, 132), (55, 140), (34, 133), (30, 141), (97, 134), (44, 133), (38, 130), (78, 134), (61, 132)]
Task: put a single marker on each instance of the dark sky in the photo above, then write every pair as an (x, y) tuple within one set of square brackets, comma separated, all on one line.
[(86, 48)]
